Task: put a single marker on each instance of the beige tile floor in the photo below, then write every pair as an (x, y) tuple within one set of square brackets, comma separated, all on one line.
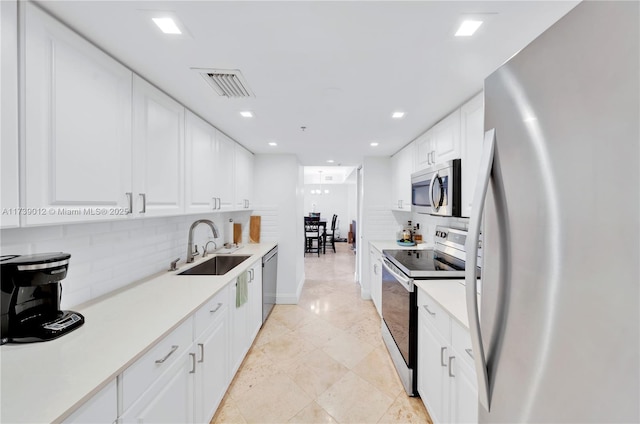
[(322, 360)]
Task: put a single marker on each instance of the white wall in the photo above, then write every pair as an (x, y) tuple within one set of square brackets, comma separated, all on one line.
[(279, 199), (378, 222), (106, 256), (340, 201)]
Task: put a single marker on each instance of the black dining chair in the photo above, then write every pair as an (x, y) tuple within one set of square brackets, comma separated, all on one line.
[(330, 235), (312, 235)]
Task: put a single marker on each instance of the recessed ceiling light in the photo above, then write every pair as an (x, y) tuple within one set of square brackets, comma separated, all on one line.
[(273, 144), (397, 115), (167, 25), (468, 28), (330, 161), (247, 114), (374, 144)]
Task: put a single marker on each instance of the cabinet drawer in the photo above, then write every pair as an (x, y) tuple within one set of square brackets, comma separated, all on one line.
[(211, 311), (139, 376), (434, 314), (461, 343)]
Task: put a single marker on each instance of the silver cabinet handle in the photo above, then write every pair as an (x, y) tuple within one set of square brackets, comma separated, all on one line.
[(219, 203), (193, 363), (173, 349), (442, 351), (375, 269), (471, 247), (469, 352), (218, 306), (201, 346), (144, 202), (130, 201), (433, 314), (451, 358), (215, 203)]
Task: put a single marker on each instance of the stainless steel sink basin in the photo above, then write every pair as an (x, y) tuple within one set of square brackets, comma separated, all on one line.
[(217, 265)]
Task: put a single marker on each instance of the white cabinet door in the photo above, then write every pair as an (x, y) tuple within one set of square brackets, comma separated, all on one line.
[(402, 166), (464, 393), (446, 134), (200, 147), (243, 177), (472, 134), (223, 172), (239, 325), (425, 151), (9, 114), (375, 262), (101, 408), (433, 384), (212, 368), (255, 302), (170, 399), (158, 152), (78, 132)]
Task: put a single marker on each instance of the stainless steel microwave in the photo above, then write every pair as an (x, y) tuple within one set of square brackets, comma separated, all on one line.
[(436, 190)]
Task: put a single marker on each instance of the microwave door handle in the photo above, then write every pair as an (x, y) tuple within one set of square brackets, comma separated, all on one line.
[(471, 281), (435, 180)]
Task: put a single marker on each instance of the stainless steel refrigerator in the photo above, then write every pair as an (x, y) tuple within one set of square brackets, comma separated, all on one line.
[(558, 335)]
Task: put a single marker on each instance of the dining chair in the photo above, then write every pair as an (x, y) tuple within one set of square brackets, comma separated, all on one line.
[(312, 234), (330, 235)]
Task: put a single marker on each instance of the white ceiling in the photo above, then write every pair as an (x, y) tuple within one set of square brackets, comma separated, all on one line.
[(337, 68)]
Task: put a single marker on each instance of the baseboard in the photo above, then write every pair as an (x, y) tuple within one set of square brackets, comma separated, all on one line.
[(291, 298)]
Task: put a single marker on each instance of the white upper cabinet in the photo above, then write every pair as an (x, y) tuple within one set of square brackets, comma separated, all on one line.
[(472, 129), (78, 126), (200, 148), (209, 167), (158, 152), (9, 114), (425, 151), (440, 143), (244, 178), (223, 171), (446, 134), (402, 165)]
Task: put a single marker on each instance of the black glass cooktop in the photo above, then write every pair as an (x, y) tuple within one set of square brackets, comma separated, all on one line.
[(426, 263)]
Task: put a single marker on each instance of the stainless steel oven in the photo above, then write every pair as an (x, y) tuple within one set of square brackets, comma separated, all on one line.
[(401, 268)]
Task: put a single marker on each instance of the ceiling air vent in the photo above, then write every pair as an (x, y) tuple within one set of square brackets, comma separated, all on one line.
[(226, 82), (328, 177)]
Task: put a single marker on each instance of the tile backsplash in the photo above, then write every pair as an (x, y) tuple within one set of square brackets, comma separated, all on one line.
[(106, 256)]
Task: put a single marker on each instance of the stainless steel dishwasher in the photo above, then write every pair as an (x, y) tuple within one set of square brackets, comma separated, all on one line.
[(269, 281)]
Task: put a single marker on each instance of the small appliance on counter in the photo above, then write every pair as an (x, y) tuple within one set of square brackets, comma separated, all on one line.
[(30, 298)]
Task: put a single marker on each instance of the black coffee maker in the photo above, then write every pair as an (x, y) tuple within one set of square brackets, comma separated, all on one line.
[(30, 297)]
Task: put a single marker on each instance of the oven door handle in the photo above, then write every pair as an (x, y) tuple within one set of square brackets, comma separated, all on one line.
[(406, 282), (471, 247)]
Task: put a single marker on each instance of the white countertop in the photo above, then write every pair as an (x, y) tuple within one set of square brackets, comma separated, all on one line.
[(450, 294), (392, 244), (45, 382)]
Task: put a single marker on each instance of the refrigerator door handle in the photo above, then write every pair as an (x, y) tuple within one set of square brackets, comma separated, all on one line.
[(480, 194)]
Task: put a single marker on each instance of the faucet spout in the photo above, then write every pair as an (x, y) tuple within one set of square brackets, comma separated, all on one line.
[(214, 230)]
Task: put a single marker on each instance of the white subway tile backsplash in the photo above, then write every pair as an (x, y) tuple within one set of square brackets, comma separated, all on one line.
[(106, 256)]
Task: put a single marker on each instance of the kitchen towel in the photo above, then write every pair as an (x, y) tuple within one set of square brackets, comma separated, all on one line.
[(242, 289)]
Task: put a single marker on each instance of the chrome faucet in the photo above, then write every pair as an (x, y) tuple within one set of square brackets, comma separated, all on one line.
[(204, 252), (190, 252)]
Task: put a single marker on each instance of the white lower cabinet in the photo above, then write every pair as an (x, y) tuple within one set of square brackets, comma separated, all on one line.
[(446, 377), (375, 276), (101, 408), (170, 398), (246, 319)]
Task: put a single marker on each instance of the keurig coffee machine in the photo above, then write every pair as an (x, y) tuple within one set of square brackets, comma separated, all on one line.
[(31, 293)]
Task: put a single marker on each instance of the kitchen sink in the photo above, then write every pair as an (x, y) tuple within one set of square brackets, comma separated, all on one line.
[(217, 265)]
